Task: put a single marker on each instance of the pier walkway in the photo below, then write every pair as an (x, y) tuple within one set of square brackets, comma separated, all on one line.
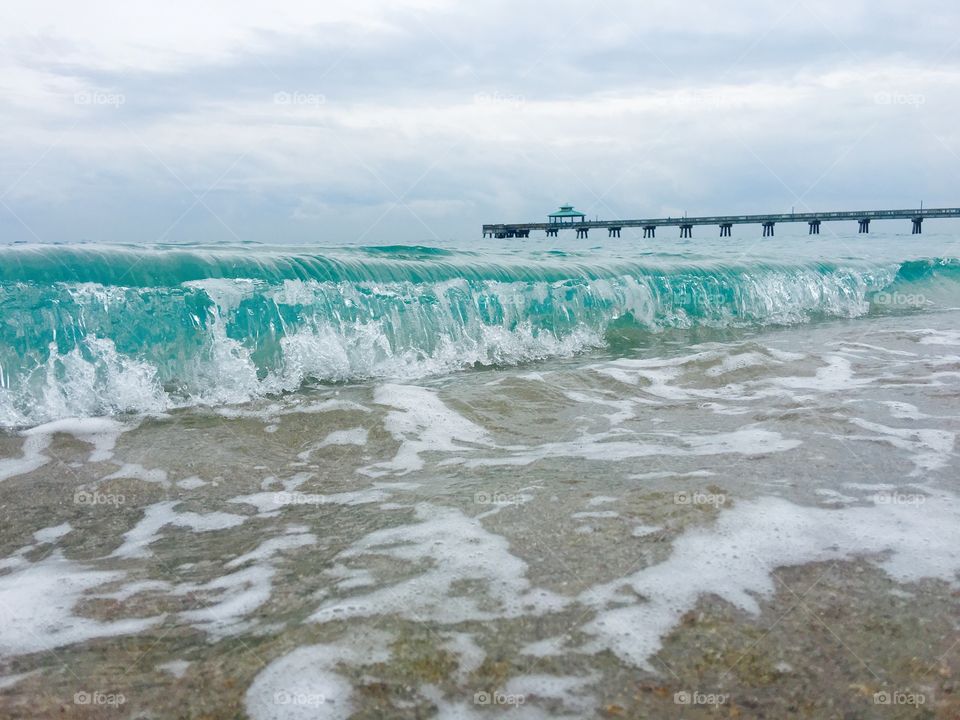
[(582, 226)]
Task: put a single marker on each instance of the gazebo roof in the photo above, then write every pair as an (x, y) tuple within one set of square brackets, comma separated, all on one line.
[(566, 211)]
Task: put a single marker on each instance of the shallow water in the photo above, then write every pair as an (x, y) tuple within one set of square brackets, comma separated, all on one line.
[(614, 484)]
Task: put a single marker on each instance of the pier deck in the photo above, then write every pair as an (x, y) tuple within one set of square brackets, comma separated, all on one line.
[(724, 222)]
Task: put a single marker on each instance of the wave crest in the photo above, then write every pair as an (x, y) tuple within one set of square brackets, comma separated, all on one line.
[(79, 347)]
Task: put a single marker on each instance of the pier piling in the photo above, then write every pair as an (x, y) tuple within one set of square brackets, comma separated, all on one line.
[(725, 222)]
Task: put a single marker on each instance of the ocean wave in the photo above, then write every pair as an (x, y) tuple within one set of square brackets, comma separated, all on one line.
[(101, 331)]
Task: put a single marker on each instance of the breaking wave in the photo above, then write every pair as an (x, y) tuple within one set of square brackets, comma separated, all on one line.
[(94, 331)]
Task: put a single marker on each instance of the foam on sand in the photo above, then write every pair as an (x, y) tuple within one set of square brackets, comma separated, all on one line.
[(748, 440), (37, 602), (736, 557), (100, 432), (304, 684), (452, 548), (133, 471), (177, 668), (930, 449), (137, 541), (238, 594), (421, 422), (32, 458), (52, 534)]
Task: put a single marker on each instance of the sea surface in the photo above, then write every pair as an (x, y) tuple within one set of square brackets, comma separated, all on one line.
[(549, 478)]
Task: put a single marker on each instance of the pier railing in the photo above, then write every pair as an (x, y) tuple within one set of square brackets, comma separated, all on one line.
[(724, 222)]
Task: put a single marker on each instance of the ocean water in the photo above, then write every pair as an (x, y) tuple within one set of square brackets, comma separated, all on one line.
[(603, 478)]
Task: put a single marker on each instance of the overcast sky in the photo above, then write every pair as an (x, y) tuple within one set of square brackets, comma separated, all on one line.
[(418, 120)]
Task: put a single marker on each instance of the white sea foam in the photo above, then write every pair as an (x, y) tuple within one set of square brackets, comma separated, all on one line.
[(268, 548), (134, 471), (137, 541), (100, 432), (52, 534), (749, 440), (453, 547), (91, 380), (732, 363), (929, 449), (666, 474), (353, 436), (237, 595), (37, 602), (734, 560), (421, 422), (837, 375), (904, 411), (177, 668), (191, 483), (470, 656), (305, 684), (7, 681), (938, 337), (270, 503), (32, 458), (598, 514)]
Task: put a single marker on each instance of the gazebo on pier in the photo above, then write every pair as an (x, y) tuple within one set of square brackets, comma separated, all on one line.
[(566, 214)]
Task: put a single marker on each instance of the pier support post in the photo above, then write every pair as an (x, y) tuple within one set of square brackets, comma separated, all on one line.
[(582, 232), (686, 231), (917, 225), (726, 229), (553, 232), (768, 229), (864, 225), (614, 232), (649, 231), (814, 227)]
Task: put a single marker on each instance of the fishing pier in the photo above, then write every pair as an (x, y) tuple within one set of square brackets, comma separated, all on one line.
[(567, 218)]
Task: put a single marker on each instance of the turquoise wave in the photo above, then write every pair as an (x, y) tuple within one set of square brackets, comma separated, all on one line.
[(93, 331)]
